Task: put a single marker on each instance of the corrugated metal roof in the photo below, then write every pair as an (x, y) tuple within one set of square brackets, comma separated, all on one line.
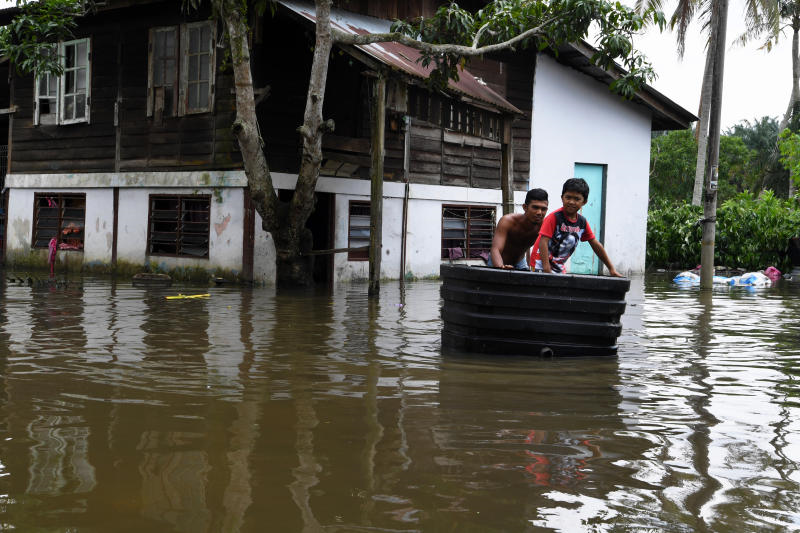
[(400, 56)]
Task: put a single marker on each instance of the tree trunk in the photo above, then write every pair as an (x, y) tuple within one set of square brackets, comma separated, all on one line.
[(245, 127), (794, 99), (702, 128), (719, 22), (294, 268), (286, 222)]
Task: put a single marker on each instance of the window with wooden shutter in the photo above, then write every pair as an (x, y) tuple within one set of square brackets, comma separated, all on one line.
[(65, 99), (181, 70), (162, 84), (198, 56), (74, 100)]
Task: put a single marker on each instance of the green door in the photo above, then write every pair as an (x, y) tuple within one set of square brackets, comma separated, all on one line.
[(584, 261)]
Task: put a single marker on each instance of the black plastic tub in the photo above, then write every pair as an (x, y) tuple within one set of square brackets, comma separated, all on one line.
[(508, 312)]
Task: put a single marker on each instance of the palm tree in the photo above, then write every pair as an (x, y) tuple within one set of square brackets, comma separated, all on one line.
[(705, 11), (783, 15)]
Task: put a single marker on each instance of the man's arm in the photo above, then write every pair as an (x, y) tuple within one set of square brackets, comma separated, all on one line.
[(544, 253), (499, 243), (601, 253)]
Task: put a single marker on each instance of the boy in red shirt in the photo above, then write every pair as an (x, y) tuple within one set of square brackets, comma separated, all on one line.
[(563, 229)]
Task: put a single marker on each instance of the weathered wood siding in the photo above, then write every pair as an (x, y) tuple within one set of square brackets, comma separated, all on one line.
[(119, 68), (512, 78), (519, 91), (281, 55)]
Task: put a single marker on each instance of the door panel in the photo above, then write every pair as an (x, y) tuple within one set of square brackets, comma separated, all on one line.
[(584, 260)]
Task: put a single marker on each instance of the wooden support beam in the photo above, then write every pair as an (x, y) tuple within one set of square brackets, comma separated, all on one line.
[(337, 250), (376, 190), (507, 166)]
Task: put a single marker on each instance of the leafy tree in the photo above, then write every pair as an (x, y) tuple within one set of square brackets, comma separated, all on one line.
[(705, 11), (783, 16), (789, 145), (761, 137), (672, 163), (27, 39), (752, 232), (736, 170), (447, 41)]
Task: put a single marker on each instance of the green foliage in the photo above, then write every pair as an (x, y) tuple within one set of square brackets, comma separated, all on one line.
[(735, 168), (541, 24), (673, 158), (761, 137), (789, 146), (27, 40), (673, 235), (751, 232)]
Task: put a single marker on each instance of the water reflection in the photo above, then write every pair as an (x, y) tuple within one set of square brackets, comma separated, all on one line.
[(325, 410)]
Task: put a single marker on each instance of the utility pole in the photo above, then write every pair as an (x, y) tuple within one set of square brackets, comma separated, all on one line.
[(712, 168)]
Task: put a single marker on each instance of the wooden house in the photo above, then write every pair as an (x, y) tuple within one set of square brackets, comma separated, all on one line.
[(128, 157)]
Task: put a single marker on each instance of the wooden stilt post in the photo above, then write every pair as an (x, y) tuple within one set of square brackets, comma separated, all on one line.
[(376, 177), (507, 166)]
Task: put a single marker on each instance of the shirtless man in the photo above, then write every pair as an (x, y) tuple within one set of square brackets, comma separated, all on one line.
[(516, 232)]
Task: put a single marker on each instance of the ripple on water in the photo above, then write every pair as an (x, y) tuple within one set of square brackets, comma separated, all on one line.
[(327, 408)]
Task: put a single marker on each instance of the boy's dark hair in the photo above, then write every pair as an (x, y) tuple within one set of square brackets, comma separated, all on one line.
[(536, 194), (577, 185)]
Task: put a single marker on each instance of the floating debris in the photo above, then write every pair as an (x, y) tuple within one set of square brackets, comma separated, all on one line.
[(188, 296)]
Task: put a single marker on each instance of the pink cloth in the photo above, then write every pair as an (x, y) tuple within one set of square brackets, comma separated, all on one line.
[(52, 256), (773, 273)]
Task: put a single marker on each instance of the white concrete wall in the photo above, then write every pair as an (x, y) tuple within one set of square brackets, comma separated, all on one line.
[(424, 222), (226, 224), (99, 226), (98, 232), (20, 221), (225, 235), (264, 271), (578, 120)]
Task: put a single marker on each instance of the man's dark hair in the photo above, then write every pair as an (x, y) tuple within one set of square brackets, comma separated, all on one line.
[(536, 194), (577, 185)]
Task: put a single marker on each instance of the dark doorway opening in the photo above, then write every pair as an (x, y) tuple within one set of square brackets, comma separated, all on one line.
[(321, 224)]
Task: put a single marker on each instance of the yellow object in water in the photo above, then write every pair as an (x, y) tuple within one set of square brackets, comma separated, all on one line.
[(188, 296)]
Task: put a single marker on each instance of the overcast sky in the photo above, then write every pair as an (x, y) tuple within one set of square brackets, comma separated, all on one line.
[(757, 83)]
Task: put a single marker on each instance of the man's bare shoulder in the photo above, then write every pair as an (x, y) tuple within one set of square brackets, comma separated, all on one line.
[(511, 219)]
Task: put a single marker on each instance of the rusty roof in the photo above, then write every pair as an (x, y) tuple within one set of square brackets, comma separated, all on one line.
[(402, 57)]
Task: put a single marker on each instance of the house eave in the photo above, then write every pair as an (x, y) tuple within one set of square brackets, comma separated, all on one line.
[(666, 114)]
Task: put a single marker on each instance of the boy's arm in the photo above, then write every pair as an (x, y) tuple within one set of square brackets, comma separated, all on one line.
[(603, 256), (544, 253), (499, 244)]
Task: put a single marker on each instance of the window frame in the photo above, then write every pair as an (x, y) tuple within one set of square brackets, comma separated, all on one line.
[(453, 115), (61, 87), (468, 248), (182, 82), (59, 197), (179, 235), (357, 255), (151, 50)]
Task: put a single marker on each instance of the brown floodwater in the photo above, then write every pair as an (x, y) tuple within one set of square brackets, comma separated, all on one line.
[(251, 410)]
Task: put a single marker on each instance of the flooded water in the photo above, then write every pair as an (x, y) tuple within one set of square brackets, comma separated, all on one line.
[(121, 410)]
